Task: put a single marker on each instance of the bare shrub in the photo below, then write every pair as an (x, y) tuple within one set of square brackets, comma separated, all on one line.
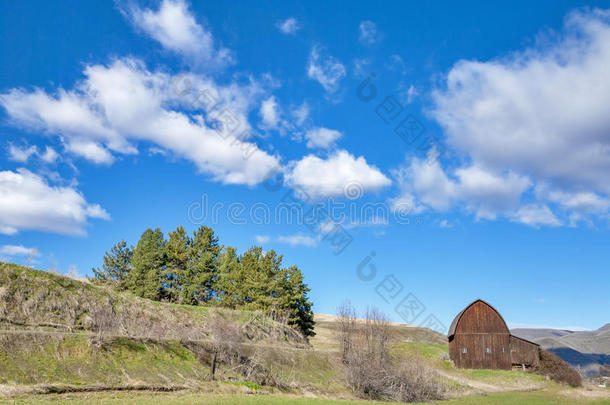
[(226, 339), (346, 316), (370, 369), (557, 369)]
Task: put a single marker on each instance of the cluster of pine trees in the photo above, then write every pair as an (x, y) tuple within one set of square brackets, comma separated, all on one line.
[(197, 270)]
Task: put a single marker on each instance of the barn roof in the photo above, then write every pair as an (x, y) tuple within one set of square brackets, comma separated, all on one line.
[(525, 340), (457, 318)]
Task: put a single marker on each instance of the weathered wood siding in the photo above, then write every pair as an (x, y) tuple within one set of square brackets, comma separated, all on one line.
[(523, 352), (480, 339)]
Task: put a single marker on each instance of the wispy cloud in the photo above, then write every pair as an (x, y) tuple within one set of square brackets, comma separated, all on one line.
[(325, 69), (368, 33), (297, 240), (289, 26)]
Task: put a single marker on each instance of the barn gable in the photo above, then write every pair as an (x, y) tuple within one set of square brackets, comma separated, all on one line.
[(478, 317)]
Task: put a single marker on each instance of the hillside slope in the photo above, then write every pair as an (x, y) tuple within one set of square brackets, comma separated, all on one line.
[(585, 350), (58, 334)]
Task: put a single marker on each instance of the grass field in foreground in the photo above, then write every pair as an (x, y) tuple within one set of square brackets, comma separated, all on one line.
[(138, 398)]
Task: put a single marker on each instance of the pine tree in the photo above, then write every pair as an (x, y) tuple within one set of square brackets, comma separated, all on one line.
[(201, 272), (117, 264), (297, 303), (253, 283), (148, 261), (177, 253), (229, 286)]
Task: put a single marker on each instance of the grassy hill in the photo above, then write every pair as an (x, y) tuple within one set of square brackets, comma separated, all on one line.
[(91, 344)]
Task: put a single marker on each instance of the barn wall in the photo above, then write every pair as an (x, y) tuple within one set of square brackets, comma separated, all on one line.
[(476, 355), (523, 352), (482, 332)]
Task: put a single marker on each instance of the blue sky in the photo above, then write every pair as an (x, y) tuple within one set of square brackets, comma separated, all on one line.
[(448, 152)]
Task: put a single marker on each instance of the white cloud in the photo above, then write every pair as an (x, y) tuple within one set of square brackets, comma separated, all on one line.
[(27, 202), (322, 137), (119, 105), (424, 184), (535, 215), (262, 239), (92, 151), (330, 177), (539, 114), (368, 33), (584, 202), (301, 113), (297, 240), (49, 155), (18, 250), (288, 26), (270, 113), (487, 193), (325, 69), (426, 181), (360, 67), (411, 94), (174, 26), (21, 154)]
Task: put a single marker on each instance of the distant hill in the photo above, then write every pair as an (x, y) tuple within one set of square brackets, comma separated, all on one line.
[(585, 350)]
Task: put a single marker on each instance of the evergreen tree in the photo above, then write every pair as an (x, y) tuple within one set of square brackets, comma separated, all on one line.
[(201, 272), (117, 264), (177, 253), (148, 261), (229, 286), (195, 269), (253, 284), (295, 300)]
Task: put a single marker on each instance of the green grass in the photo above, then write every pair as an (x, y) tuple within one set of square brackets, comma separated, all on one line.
[(500, 375), (427, 350), (78, 361)]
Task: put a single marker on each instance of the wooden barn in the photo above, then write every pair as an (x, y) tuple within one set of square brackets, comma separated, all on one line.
[(479, 338)]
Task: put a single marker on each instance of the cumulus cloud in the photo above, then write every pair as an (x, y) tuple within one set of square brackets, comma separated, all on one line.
[(28, 202), (325, 69), (368, 33), (539, 114), (330, 177), (322, 137), (289, 26), (119, 105), (175, 27), (425, 185)]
